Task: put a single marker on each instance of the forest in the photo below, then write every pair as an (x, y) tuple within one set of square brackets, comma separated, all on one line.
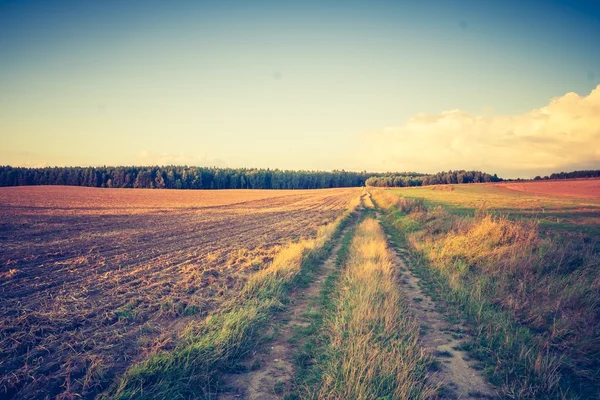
[(180, 177), (184, 177)]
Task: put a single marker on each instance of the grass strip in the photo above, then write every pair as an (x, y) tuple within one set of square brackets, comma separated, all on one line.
[(372, 338), (311, 355)]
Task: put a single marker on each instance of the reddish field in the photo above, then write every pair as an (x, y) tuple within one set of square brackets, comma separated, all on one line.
[(92, 280), (585, 188)]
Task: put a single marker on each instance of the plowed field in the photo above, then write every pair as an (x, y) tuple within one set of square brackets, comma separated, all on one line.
[(92, 280), (584, 188)]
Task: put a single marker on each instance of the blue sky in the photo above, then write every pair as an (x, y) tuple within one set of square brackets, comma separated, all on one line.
[(277, 84)]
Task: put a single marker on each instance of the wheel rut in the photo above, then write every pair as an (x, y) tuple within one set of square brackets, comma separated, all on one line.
[(271, 366), (455, 374)]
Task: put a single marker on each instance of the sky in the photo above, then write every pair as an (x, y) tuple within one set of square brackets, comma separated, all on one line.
[(508, 87)]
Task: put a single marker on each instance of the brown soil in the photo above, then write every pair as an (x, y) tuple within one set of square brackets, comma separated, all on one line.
[(456, 375), (92, 280), (583, 188)]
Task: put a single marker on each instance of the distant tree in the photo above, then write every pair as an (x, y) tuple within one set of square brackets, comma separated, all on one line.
[(159, 181), (143, 180)]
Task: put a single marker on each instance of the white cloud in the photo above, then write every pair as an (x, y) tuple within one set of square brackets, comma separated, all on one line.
[(563, 135)]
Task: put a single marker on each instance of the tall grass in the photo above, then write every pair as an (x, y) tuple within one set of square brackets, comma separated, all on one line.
[(373, 350), (215, 345), (533, 301)]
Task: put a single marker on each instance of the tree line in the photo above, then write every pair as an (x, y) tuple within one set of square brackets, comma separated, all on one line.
[(441, 178), (571, 175), (184, 177), (180, 177)]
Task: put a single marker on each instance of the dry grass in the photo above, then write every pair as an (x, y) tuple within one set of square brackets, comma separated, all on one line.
[(287, 264), (92, 281), (548, 284), (372, 338)]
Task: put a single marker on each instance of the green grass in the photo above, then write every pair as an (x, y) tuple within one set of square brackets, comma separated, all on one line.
[(443, 354), (128, 312), (311, 355)]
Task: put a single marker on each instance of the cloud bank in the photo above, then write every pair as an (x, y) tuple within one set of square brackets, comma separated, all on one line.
[(564, 135)]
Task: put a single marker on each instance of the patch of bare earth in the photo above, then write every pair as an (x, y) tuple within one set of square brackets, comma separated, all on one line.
[(456, 375), (271, 367)]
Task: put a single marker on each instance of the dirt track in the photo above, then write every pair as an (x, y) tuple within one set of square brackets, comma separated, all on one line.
[(456, 376)]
